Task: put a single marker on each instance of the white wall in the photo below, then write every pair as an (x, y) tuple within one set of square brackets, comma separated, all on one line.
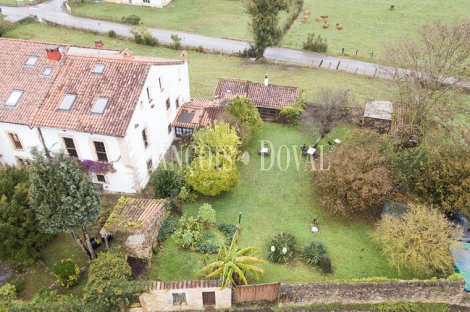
[(152, 3), (27, 136), (155, 118)]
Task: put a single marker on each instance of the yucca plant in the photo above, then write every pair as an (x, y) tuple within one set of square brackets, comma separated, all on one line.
[(313, 253), (282, 247)]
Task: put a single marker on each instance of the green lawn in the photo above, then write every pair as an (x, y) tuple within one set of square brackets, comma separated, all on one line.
[(278, 200), (367, 24), (204, 69), (215, 18)]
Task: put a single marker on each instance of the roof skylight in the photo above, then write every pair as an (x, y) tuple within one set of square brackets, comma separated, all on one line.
[(47, 71), (14, 98), (32, 60), (99, 68), (100, 105), (68, 101)]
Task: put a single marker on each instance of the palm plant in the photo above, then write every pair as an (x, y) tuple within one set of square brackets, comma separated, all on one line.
[(282, 247), (313, 253), (233, 264)]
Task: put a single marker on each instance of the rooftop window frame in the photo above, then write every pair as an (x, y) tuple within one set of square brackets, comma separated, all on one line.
[(11, 102), (31, 60), (99, 69), (100, 105), (67, 102)]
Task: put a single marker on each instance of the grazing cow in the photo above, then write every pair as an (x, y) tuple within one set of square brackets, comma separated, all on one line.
[(324, 16), (317, 19), (306, 18), (307, 12), (392, 6), (338, 25), (325, 25)]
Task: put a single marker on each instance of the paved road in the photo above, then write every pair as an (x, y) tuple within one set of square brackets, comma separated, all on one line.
[(53, 12)]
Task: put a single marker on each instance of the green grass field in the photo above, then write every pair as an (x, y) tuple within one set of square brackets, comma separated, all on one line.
[(282, 199), (204, 69), (215, 18)]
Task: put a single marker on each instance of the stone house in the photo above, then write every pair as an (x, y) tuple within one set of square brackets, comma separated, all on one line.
[(136, 221), (269, 99), (96, 104), (186, 295)]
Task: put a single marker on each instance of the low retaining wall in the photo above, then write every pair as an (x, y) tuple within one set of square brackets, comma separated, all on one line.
[(402, 291)]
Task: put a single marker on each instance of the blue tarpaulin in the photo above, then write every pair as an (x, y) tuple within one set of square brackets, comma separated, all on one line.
[(461, 255)]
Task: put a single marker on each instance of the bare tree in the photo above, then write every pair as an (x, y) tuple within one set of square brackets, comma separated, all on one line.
[(429, 77)]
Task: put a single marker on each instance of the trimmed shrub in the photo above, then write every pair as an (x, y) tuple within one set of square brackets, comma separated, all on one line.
[(111, 34), (67, 272), (165, 183), (317, 44), (108, 266), (282, 247), (229, 231), (312, 253), (7, 293), (325, 265), (131, 19), (168, 227), (206, 214)]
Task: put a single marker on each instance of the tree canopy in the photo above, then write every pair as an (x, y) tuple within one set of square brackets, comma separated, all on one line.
[(243, 109), (63, 195)]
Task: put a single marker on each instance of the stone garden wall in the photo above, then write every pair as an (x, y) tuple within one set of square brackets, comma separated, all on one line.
[(402, 291)]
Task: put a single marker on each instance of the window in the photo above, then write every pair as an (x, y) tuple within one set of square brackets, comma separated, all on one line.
[(183, 131), (168, 104), (149, 164), (179, 299), (100, 151), (16, 141), (47, 71), (14, 98), (160, 82), (177, 102), (144, 138), (146, 1), (68, 101), (100, 105), (148, 95), (100, 178), (31, 61), (99, 68), (169, 128), (22, 161), (70, 146)]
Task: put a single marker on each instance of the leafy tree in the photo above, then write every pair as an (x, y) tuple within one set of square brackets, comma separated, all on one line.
[(7, 293), (67, 272), (424, 90), (165, 183), (243, 129), (445, 182), (265, 23), (206, 214), (419, 240), (233, 264), (64, 196), (20, 239), (359, 178), (243, 109), (5, 25), (213, 170)]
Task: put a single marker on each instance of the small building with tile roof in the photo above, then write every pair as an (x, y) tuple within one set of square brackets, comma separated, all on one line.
[(196, 114), (136, 221), (378, 115), (96, 104), (268, 98)]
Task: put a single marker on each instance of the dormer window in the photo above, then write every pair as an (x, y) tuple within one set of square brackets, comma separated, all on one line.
[(100, 106), (32, 60), (67, 102), (99, 68), (14, 98), (228, 91), (47, 71)]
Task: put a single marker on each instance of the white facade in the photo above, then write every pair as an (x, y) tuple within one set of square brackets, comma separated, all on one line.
[(150, 3), (128, 154)]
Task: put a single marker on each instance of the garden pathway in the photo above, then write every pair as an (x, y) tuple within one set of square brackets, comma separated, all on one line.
[(53, 11)]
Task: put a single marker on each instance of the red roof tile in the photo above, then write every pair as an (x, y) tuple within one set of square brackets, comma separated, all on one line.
[(271, 96), (196, 114)]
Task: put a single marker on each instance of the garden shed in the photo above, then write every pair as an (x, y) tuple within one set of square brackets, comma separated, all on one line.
[(378, 115), (136, 222), (186, 295)]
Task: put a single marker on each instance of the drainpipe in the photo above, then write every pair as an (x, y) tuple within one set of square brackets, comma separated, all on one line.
[(41, 138)]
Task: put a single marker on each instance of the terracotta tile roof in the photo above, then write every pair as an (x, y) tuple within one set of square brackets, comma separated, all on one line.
[(271, 96), (185, 284), (134, 217), (121, 82), (196, 114), (14, 74)]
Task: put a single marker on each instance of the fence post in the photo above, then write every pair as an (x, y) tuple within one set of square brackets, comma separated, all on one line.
[(356, 69), (339, 62), (375, 72), (320, 63), (329, 66), (364, 70)]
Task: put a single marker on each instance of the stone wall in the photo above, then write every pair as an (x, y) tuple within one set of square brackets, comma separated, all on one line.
[(142, 248), (403, 291)]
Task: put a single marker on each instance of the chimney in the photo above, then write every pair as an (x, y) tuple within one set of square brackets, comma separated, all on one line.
[(184, 56), (127, 54), (266, 80), (98, 44), (53, 53)]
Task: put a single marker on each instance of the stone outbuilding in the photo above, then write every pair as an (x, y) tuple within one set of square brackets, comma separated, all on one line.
[(378, 115), (136, 221), (186, 295)]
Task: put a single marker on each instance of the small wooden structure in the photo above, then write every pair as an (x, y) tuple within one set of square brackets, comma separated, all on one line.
[(137, 221), (378, 115)]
